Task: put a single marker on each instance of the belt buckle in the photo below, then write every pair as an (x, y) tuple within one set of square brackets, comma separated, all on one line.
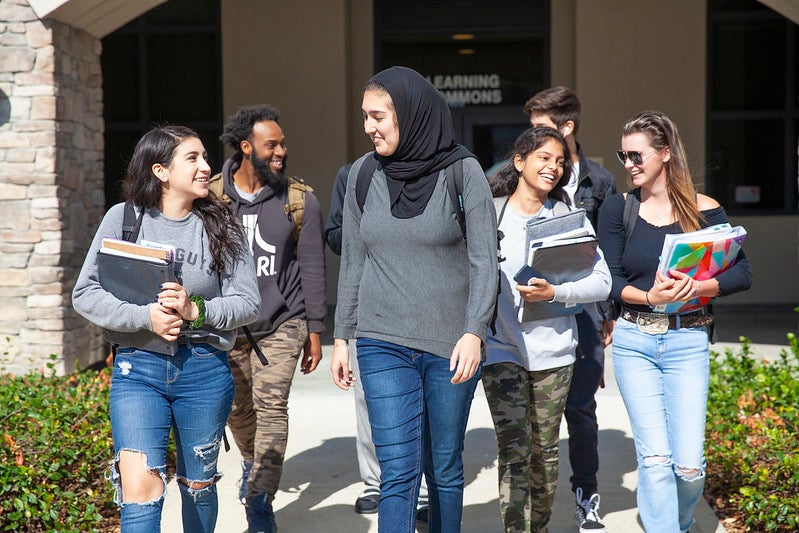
[(653, 324)]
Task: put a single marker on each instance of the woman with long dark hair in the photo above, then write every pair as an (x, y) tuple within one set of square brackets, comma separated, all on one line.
[(417, 296), (661, 361), (215, 292), (528, 368)]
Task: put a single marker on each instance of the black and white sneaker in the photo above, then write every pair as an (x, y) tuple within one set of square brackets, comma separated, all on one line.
[(586, 515)]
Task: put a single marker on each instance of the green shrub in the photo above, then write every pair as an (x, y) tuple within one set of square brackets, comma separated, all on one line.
[(55, 448), (752, 448)]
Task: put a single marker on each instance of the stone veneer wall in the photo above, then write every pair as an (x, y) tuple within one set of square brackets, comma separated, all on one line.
[(51, 187)]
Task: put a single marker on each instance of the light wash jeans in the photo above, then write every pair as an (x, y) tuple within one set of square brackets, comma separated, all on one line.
[(663, 380), (190, 392), (408, 392)]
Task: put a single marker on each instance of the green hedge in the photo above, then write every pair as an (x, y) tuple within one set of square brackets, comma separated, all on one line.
[(55, 448), (752, 445)]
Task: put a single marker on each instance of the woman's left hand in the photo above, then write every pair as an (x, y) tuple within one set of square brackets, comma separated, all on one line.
[(537, 290), (174, 296), (465, 358)]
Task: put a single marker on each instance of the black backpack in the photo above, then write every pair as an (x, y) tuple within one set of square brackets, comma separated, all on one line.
[(453, 176), (131, 224)]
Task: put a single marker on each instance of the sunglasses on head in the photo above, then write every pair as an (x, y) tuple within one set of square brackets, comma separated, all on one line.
[(634, 156)]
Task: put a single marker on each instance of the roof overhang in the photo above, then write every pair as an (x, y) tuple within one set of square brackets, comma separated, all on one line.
[(787, 8), (96, 17)]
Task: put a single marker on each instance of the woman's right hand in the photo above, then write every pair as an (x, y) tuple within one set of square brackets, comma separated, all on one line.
[(343, 377), (165, 322), (678, 287)]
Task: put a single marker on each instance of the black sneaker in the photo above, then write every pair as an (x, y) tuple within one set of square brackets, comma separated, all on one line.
[(422, 513), (368, 501), (586, 515)]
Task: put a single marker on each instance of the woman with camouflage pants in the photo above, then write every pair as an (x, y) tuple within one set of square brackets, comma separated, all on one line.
[(529, 364)]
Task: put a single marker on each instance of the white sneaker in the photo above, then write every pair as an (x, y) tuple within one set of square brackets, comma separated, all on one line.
[(586, 515)]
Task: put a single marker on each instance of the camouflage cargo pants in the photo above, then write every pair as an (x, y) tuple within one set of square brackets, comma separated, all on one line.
[(527, 408), (259, 420)]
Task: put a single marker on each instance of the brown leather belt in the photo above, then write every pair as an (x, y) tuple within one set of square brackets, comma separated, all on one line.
[(697, 319)]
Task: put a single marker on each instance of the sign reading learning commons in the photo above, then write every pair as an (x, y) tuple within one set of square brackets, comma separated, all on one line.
[(468, 89)]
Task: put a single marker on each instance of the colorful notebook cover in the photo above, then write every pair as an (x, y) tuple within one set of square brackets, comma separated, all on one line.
[(701, 254)]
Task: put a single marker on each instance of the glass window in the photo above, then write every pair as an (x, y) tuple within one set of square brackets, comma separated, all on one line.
[(753, 108), (747, 163), (163, 67), (744, 50), (120, 78), (189, 64), (485, 62)]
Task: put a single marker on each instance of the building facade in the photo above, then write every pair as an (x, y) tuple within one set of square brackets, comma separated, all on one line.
[(80, 80)]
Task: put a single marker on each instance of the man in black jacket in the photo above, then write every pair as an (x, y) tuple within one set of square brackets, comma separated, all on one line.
[(588, 186), (286, 239)]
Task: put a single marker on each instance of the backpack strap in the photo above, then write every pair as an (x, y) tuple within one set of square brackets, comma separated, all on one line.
[(454, 181), (131, 223), (364, 179), (295, 206), (631, 205)]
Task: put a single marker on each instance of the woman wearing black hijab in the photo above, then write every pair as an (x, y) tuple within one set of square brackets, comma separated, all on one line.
[(416, 296)]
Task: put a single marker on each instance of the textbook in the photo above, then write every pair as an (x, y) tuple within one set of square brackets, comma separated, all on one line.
[(133, 275), (155, 250), (542, 228), (559, 260), (701, 254)]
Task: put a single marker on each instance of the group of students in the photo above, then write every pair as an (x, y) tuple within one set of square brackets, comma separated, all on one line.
[(429, 296)]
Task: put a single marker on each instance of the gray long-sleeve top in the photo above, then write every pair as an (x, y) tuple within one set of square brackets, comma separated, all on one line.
[(231, 299), (414, 282)]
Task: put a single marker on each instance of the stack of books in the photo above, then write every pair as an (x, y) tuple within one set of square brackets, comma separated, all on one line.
[(559, 249), (134, 273)]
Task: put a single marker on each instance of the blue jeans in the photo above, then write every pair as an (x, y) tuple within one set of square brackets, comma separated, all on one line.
[(580, 411), (663, 380), (407, 393), (191, 393)]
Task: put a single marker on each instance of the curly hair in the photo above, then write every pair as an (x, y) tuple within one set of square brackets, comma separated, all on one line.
[(506, 179), (144, 189), (239, 125)]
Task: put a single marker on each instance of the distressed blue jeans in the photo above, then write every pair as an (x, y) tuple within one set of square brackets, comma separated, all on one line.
[(663, 379), (418, 421), (190, 393)]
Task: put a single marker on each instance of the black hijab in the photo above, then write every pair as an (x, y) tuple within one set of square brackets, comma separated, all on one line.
[(426, 140)]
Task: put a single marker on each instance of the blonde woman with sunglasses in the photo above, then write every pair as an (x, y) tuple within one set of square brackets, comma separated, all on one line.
[(663, 372)]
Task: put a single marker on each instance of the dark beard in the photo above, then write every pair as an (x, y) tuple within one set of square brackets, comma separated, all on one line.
[(275, 181)]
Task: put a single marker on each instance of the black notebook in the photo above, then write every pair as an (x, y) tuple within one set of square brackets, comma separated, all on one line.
[(137, 281), (559, 262)]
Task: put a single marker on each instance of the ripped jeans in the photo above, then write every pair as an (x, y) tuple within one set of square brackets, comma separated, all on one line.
[(663, 379), (191, 393)]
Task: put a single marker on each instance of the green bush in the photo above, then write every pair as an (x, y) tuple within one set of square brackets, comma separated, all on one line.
[(55, 448), (752, 449)]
